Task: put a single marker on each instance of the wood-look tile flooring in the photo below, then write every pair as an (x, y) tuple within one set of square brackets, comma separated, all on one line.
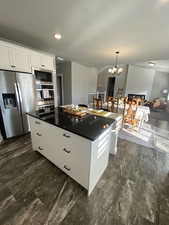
[(134, 190)]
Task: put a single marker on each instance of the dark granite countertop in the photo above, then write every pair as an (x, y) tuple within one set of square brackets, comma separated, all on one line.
[(90, 126)]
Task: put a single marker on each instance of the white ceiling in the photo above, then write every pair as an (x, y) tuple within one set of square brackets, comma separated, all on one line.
[(159, 65), (92, 30)]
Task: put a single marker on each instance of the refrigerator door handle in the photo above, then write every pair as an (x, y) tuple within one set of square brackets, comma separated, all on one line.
[(19, 91), (17, 98), (19, 101)]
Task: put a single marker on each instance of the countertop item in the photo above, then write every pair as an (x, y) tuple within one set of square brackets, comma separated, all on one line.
[(90, 126), (97, 112)]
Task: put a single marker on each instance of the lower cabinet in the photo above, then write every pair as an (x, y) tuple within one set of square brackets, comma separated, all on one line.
[(78, 157)]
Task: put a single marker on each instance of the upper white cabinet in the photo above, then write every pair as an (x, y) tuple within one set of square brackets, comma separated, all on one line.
[(20, 60), (42, 61), (17, 58), (47, 62), (14, 58), (35, 59), (5, 58)]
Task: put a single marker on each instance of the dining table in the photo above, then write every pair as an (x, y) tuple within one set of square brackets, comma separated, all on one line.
[(141, 112)]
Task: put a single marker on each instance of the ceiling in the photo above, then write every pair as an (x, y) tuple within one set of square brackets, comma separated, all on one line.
[(159, 65), (92, 30)]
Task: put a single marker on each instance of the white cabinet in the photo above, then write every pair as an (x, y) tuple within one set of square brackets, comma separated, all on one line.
[(47, 62), (5, 61), (78, 157), (35, 59), (42, 61), (18, 58)]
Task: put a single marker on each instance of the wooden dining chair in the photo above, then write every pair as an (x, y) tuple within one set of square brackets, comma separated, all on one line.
[(97, 103), (117, 104), (129, 113), (110, 104), (119, 93)]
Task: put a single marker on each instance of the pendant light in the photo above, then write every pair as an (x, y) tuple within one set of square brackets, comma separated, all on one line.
[(116, 70)]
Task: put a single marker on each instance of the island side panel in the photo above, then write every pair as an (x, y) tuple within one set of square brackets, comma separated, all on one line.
[(99, 158)]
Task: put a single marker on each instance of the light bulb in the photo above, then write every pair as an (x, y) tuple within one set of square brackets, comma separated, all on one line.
[(151, 64), (58, 36), (120, 70), (110, 70), (114, 69)]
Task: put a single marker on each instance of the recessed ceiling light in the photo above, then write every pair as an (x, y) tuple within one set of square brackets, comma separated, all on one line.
[(151, 64), (58, 36)]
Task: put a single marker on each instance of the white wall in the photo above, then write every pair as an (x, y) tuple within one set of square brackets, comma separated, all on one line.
[(161, 82), (140, 81), (84, 80)]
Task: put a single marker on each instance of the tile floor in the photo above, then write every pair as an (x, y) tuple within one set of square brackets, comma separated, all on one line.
[(134, 190)]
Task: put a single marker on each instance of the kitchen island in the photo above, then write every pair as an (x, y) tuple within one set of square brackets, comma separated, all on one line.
[(78, 146)]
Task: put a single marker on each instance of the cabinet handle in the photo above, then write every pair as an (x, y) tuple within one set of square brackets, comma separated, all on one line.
[(43, 65), (67, 168), (13, 66), (39, 134), (67, 151), (40, 148), (66, 135), (37, 122)]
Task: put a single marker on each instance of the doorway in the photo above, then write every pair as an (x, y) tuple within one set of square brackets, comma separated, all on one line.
[(60, 96), (110, 86)]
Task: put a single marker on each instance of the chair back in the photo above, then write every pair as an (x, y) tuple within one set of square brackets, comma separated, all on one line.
[(119, 93), (97, 103), (110, 104)]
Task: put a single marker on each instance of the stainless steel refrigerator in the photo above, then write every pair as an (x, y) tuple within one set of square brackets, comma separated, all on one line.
[(17, 97)]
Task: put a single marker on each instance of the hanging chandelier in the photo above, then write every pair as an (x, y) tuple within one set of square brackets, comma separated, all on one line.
[(116, 70)]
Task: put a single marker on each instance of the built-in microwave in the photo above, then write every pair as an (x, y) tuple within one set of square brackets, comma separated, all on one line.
[(43, 76)]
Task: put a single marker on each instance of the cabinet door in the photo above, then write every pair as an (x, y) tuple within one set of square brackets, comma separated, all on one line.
[(5, 58), (47, 62), (35, 59), (44, 140), (42, 61), (21, 60), (74, 155), (77, 162)]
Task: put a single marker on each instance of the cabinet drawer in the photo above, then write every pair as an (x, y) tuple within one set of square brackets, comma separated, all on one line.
[(46, 147), (48, 152), (81, 175), (43, 129), (75, 161), (71, 141)]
